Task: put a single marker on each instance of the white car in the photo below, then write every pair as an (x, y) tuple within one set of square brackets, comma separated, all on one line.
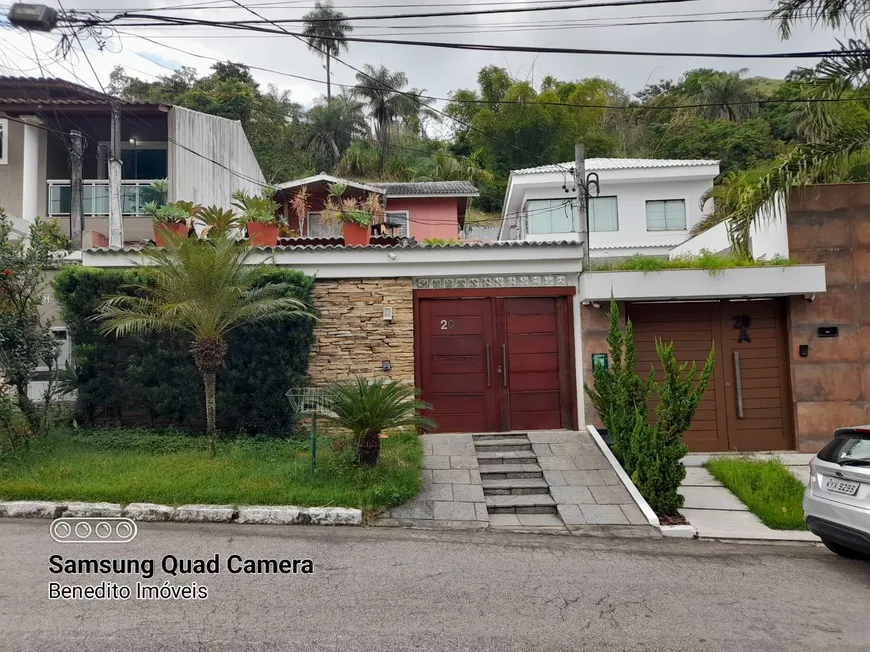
[(837, 498)]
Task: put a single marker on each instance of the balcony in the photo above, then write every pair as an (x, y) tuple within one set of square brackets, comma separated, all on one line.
[(95, 197)]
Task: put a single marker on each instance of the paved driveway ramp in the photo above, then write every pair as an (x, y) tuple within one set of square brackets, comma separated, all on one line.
[(555, 481)]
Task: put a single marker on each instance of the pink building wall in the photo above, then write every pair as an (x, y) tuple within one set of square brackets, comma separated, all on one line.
[(430, 217)]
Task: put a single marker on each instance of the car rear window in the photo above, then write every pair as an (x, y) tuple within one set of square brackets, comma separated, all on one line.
[(844, 446)]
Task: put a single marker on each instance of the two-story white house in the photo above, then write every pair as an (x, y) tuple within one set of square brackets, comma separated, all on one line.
[(645, 206)]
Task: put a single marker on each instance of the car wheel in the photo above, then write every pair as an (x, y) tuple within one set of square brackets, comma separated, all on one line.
[(843, 551)]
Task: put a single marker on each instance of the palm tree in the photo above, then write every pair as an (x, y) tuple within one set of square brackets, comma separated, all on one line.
[(442, 165), (205, 288), (833, 137), (325, 29), (388, 103), (730, 96), (369, 407), (334, 124)]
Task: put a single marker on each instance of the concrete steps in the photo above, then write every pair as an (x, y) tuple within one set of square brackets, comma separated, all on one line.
[(522, 504), (510, 471), (507, 457), (514, 486), (506, 444)]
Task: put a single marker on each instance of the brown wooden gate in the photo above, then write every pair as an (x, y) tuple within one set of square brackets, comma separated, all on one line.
[(748, 404), (496, 363)]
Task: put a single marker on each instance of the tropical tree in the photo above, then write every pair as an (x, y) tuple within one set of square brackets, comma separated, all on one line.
[(325, 30), (443, 165), (333, 125), (388, 102), (728, 95), (370, 407), (834, 134), (205, 288)]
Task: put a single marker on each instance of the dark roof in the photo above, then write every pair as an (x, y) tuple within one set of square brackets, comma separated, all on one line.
[(433, 188), (50, 91)]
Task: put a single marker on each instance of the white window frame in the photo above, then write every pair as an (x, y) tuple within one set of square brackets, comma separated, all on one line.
[(405, 228), (4, 142), (666, 227), (616, 202), (308, 226), (65, 352), (560, 202)]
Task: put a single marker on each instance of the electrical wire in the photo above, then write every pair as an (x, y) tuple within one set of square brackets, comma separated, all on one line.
[(433, 98)]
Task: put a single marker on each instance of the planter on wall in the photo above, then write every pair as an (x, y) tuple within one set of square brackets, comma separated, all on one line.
[(175, 228), (263, 235), (355, 235)]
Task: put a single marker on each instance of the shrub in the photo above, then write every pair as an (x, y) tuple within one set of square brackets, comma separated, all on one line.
[(153, 380), (656, 450), (619, 392)]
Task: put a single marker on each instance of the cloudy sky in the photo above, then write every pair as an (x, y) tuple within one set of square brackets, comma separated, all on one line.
[(437, 70)]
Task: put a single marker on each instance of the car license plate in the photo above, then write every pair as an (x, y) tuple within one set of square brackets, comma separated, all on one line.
[(842, 486)]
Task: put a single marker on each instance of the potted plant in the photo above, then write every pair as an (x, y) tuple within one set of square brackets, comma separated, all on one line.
[(217, 221), (356, 217), (175, 218), (259, 214)]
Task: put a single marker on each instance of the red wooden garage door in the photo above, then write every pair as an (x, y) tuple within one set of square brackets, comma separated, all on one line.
[(747, 406), (496, 363)]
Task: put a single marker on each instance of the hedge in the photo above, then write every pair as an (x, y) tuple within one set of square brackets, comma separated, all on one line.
[(152, 380)]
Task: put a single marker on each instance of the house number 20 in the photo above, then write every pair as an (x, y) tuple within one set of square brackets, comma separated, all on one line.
[(447, 324)]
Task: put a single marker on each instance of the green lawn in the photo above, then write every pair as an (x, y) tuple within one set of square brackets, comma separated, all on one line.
[(132, 465), (767, 488)]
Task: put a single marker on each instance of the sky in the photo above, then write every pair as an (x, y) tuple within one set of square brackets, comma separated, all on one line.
[(438, 71)]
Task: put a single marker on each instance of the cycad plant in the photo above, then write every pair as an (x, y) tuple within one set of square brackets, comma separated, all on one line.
[(367, 408), (205, 288), (218, 221)]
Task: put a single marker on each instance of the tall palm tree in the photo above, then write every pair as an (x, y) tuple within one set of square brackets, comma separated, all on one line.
[(325, 29), (833, 138), (729, 94), (334, 124), (205, 288), (388, 101)]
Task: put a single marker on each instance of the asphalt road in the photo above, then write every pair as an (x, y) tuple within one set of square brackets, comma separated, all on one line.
[(397, 590)]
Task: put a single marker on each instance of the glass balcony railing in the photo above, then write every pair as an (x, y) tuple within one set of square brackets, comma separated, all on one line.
[(95, 197)]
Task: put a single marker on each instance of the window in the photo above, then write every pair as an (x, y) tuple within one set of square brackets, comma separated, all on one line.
[(317, 228), (550, 216), (4, 141), (399, 218), (666, 215), (603, 214), (64, 352)]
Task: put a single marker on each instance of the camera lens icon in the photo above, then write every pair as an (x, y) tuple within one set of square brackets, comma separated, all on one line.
[(93, 530)]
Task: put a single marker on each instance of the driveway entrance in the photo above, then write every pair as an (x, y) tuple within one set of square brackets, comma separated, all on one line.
[(747, 406)]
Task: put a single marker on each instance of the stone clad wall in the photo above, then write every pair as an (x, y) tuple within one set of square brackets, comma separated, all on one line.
[(352, 338), (594, 325), (831, 386)]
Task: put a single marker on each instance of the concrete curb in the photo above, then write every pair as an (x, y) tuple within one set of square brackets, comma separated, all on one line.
[(669, 531), (648, 512), (153, 513)]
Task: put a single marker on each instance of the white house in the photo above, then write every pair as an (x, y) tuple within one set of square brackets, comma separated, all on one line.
[(645, 206)]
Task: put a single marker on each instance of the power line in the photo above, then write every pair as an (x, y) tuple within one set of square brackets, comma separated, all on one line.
[(485, 47), (433, 98), (439, 14), (416, 97)]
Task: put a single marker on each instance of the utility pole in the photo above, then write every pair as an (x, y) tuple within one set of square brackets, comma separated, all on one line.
[(76, 211), (116, 225), (582, 214)]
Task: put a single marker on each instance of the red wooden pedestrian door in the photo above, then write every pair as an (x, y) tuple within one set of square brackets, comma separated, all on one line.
[(496, 363)]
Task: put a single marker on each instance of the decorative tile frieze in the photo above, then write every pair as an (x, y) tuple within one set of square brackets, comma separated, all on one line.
[(483, 282)]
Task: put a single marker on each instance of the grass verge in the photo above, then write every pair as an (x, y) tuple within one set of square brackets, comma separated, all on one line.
[(766, 487), (127, 466)]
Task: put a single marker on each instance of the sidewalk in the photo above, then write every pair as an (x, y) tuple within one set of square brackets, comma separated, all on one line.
[(718, 514)]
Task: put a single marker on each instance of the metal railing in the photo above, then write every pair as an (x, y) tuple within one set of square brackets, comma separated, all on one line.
[(95, 197)]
